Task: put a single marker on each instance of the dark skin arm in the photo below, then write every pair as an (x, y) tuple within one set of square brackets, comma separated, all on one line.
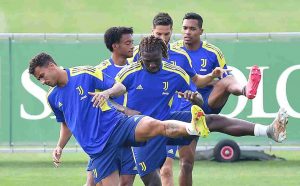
[(194, 97), (125, 110)]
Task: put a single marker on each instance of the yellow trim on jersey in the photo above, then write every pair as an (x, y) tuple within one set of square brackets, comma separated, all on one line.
[(96, 72), (181, 51), (103, 65), (134, 67), (104, 106), (171, 102), (178, 44), (176, 69), (135, 52), (125, 99), (217, 51)]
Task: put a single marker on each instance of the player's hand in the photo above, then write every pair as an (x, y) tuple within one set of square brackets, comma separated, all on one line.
[(188, 94), (194, 97), (56, 154), (218, 72), (99, 98), (130, 112)]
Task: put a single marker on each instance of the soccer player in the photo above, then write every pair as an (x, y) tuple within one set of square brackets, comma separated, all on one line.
[(156, 81), (205, 57), (119, 42), (100, 130), (151, 86), (162, 28)]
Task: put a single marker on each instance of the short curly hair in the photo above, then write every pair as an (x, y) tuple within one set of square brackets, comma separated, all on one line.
[(114, 35), (41, 60)]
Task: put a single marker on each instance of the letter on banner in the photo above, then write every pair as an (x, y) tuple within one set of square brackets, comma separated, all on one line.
[(281, 91), (38, 93)]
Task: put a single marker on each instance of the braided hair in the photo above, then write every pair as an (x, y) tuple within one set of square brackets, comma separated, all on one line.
[(152, 43)]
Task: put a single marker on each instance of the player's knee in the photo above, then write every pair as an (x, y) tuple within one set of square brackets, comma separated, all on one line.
[(126, 180), (90, 179), (166, 172), (224, 83), (186, 165), (150, 127), (151, 179), (187, 162), (91, 183)]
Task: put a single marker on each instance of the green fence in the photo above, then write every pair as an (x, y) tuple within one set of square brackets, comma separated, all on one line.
[(26, 118)]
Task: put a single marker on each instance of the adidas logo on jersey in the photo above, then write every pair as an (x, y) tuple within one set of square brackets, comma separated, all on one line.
[(139, 87), (171, 151), (135, 119)]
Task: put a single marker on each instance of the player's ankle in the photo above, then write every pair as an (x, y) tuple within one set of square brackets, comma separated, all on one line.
[(260, 130), (190, 129)]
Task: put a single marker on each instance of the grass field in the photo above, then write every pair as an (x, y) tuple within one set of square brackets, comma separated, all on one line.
[(37, 169), (96, 16)]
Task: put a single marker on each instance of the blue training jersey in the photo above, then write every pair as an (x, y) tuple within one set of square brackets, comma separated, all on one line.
[(176, 56), (204, 61), (108, 67), (72, 104), (152, 93), (179, 57)]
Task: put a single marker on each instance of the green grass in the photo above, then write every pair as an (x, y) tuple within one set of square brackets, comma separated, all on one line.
[(37, 169), (96, 16)]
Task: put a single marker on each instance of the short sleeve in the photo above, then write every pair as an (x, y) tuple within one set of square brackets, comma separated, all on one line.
[(58, 113)]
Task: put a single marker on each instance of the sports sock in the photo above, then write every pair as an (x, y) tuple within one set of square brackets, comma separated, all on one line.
[(260, 130), (190, 129)]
